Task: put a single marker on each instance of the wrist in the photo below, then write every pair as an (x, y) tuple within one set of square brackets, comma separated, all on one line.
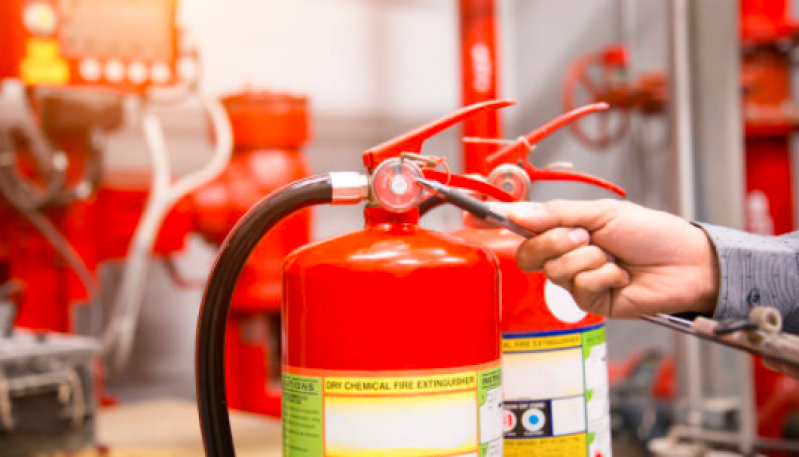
[(709, 276)]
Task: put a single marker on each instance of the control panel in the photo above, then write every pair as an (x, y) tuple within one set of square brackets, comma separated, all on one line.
[(127, 45)]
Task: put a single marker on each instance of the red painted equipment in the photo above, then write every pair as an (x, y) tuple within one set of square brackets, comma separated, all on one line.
[(602, 77), (479, 76), (81, 52), (90, 43), (391, 333), (770, 116), (95, 216), (268, 129), (539, 316), (62, 212)]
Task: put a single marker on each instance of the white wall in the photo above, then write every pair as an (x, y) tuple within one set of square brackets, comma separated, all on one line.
[(354, 58)]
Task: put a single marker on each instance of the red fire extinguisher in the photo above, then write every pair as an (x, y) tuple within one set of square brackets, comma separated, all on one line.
[(391, 333), (556, 396), (268, 131)]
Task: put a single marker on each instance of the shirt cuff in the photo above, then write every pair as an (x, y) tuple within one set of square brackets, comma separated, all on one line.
[(754, 270)]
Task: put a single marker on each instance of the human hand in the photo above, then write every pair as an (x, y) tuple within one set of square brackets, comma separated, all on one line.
[(618, 259)]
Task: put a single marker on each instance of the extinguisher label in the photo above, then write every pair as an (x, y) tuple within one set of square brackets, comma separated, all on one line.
[(556, 393), (454, 412)]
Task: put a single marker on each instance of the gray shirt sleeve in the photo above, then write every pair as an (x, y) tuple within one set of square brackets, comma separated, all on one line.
[(756, 270)]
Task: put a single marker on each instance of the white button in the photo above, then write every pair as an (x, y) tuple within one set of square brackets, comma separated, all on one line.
[(90, 70), (114, 71), (40, 18), (160, 73), (137, 73)]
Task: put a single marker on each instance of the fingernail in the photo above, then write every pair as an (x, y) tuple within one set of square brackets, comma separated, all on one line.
[(579, 236)]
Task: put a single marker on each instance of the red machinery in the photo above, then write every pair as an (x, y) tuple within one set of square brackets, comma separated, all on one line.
[(90, 43), (268, 131), (63, 212), (52, 47), (602, 76), (391, 333), (770, 115)]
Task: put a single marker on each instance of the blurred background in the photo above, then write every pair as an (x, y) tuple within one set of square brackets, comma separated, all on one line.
[(695, 87)]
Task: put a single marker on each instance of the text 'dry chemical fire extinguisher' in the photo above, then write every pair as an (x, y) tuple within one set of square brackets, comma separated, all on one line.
[(392, 338), (556, 395)]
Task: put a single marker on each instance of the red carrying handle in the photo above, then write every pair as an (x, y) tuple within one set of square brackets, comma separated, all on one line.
[(539, 174), (517, 152), (414, 140)]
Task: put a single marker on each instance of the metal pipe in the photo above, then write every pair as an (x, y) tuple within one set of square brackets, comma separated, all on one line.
[(625, 30), (690, 370)]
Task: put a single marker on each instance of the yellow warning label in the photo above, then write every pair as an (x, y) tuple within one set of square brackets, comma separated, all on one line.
[(43, 63), (557, 446), (418, 413), (401, 385), (542, 343)]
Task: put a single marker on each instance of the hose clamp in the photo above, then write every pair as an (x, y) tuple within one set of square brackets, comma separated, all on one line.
[(349, 187)]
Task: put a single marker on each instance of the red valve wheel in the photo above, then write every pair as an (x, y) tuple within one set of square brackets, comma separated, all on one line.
[(592, 78)]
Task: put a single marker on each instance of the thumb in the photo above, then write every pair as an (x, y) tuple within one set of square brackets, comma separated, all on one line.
[(590, 215)]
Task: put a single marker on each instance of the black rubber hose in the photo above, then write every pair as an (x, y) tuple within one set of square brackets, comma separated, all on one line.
[(210, 356), (429, 204)]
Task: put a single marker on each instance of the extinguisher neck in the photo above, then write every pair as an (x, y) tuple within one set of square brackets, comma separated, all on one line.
[(381, 219)]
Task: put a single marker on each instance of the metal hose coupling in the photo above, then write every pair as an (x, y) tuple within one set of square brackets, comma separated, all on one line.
[(349, 187)]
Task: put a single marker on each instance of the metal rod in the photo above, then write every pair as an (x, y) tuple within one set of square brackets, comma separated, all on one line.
[(690, 370), (625, 30)]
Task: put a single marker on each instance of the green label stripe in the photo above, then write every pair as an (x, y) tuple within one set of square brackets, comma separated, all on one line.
[(591, 339), (487, 380), (302, 416)]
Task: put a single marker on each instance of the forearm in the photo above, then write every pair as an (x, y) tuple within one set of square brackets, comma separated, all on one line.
[(756, 270)]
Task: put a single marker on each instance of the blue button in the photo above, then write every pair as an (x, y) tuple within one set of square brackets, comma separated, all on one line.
[(534, 420)]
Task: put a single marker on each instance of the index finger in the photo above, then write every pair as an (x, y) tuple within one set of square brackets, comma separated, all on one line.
[(473, 221), (588, 214)]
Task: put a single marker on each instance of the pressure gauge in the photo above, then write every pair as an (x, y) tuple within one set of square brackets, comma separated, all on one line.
[(511, 179), (40, 18), (394, 185)]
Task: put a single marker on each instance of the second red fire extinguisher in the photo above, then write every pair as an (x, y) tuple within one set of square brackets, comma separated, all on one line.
[(556, 395)]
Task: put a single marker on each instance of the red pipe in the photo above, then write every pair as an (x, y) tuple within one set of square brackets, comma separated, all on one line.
[(479, 71)]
